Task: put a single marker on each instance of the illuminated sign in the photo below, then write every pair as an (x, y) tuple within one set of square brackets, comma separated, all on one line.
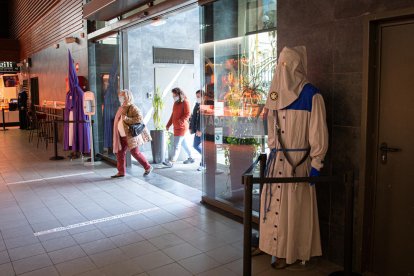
[(9, 67)]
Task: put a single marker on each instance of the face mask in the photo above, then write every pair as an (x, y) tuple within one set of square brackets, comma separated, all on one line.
[(176, 98), (121, 99), (199, 100)]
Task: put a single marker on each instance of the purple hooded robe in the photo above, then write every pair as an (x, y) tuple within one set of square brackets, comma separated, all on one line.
[(74, 103)]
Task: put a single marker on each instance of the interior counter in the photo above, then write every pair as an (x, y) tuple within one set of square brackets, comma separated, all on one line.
[(11, 118)]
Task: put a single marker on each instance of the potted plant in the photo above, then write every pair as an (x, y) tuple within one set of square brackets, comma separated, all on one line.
[(239, 155), (158, 134), (170, 144)]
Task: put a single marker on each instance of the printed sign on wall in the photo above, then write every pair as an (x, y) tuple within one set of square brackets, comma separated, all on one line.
[(9, 67), (218, 135)]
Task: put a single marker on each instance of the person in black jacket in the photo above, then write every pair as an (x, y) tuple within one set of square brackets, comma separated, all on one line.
[(195, 127), (22, 105)]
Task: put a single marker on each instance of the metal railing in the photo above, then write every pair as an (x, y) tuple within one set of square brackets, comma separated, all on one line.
[(249, 180), (55, 136)]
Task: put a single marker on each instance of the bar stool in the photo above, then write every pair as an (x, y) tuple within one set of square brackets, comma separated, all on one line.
[(31, 124), (34, 129), (48, 137), (41, 127)]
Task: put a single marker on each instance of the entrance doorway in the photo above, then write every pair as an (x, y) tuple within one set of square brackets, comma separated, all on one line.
[(182, 76), (159, 55), (34, 91), (390, 196)]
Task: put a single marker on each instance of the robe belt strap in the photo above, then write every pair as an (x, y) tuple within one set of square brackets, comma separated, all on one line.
[(275, 149)]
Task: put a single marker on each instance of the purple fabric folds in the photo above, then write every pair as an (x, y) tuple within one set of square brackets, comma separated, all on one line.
[(74, 103)]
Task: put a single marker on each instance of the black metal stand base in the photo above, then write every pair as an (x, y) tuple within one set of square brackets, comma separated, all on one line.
[(4, 122), (343, 273), (96, 159), (55, 137), (56, 158)]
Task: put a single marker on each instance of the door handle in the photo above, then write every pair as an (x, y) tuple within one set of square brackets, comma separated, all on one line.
[(384, 152)]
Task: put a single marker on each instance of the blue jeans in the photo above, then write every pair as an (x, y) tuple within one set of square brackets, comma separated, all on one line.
[(178, 141), (197, 146)]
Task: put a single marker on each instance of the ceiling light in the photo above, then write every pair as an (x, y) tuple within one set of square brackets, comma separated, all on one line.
[(158, 22), (71, 39)]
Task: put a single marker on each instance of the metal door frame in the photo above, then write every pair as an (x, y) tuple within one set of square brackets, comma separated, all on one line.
[(369, 131), (31, 90)]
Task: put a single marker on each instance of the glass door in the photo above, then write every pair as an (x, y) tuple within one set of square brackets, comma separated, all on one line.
[(159, 55), (239, 55), (104, 67)]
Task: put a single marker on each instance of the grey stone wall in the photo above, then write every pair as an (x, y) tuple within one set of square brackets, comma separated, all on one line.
[(332, 31)]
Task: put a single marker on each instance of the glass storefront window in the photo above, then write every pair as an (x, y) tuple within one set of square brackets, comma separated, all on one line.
[(238, 67), (259, 15), (228, 49)]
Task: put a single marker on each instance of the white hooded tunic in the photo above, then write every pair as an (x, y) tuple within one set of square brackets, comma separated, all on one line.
[(289, 225)]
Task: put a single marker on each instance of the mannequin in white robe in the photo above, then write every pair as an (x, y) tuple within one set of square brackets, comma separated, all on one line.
[(289, 225)]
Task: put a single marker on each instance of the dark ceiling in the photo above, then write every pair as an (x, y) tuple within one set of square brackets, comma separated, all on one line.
[(4, 19), (104, 10)]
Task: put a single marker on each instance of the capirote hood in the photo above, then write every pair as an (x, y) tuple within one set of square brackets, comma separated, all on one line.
[(289, 78)]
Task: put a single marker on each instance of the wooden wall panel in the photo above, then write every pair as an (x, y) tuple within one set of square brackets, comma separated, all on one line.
[(40, 24), (9, 50)]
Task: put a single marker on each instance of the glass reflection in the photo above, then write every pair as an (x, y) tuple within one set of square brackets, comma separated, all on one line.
[(237, 75), (104, 80)]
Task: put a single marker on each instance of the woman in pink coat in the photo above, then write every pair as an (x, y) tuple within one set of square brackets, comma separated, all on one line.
[(128, 114)]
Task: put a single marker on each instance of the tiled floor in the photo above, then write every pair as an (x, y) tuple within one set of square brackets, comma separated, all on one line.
[(172, 235)]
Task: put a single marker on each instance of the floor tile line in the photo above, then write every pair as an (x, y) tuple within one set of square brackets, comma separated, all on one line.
[(95, 221), (48, 178)]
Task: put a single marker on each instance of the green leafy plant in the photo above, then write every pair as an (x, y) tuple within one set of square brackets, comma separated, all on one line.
[(169, 138), (234, 100), (158, 105), (241, 141)]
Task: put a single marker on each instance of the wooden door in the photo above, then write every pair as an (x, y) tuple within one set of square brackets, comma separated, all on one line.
[(393, 246)]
